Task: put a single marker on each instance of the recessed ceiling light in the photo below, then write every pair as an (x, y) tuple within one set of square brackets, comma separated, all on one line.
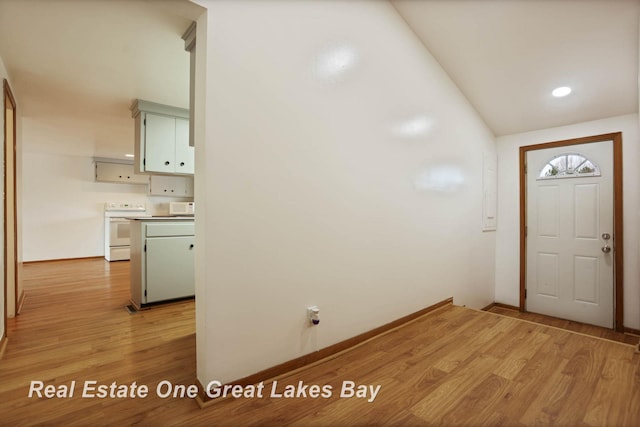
[(559, 92), (129, 155)]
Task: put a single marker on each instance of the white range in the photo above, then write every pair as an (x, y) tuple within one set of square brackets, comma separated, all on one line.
[(117, 228)]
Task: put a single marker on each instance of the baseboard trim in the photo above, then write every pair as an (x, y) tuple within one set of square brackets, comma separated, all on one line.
[(203, 400), (626, 330), (23, 296), (632, 331), (40, 261), (3, 345), (501, 305)]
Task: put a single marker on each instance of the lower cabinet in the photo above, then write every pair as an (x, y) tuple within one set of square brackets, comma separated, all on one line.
[(170, 272), (162, 260)]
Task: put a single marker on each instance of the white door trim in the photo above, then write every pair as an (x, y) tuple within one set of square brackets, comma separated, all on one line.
[(616, 140)]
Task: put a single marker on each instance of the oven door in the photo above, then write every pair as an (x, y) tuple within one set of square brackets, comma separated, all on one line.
[(119, 232)]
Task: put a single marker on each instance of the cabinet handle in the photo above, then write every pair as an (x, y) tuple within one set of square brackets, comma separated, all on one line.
[(166, 163), (191, 246), (181, 163)]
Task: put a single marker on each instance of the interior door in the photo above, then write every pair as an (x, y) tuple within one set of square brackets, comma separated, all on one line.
[(570, 239)]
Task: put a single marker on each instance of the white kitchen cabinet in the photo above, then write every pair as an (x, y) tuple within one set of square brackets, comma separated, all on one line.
[(162, 260), (172, 186), (118, 172), (159, 136), (162, 139), (185, 153), (170, 269)]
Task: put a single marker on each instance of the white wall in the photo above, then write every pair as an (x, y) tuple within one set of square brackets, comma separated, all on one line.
[(63, 212), (359, 192), (507, 243)]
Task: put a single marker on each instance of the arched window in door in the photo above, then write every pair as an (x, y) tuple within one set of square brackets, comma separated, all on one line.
[(569, 165)]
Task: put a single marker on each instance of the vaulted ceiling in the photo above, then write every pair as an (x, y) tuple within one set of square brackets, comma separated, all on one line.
[(506, 56), (79, 64)]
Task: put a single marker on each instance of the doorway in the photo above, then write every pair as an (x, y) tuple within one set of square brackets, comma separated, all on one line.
[(571, 241)]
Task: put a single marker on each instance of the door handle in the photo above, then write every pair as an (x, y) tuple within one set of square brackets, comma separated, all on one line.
[(606, 249)]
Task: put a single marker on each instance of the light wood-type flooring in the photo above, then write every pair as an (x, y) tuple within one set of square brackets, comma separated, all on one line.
[(569, 325), (454, 366)]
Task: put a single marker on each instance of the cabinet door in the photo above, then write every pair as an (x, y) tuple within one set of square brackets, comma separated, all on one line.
[(185, 154), (162, 185), (173, 186), (169, 268), (159, 148), (115, 172)]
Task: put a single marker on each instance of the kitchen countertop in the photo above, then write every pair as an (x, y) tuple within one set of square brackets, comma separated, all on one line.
[(163, 218)]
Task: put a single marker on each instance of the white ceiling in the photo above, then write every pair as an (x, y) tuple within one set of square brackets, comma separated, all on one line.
[(506, 56), (79, 64)]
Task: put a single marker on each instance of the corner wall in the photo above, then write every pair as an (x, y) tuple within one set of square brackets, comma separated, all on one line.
[(507, 244), (338, 166)]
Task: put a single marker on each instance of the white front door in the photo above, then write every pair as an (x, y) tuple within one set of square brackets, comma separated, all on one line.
[(569, 258)]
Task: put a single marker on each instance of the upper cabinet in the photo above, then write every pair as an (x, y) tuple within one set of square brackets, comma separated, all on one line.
[(172, 186), (162, 139), (107, 171)]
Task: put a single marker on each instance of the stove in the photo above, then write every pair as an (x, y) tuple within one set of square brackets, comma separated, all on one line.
[(117, 240)]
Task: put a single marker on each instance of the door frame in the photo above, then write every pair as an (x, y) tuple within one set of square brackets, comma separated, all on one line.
[(8, 97), (618, 258)]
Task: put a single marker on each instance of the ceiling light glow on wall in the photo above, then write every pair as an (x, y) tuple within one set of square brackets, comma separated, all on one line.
[(559, 92), (334, 60), (440, 178), (413, 127)]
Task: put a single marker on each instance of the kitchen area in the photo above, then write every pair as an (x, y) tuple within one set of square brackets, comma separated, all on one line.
[(162, 259), (160, 248), (159, 242)]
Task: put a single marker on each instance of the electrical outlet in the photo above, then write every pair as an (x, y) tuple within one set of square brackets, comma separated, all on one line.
[(313, 314)]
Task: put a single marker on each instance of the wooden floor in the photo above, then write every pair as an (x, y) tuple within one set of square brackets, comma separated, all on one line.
[(455, 366), (569, 325)]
